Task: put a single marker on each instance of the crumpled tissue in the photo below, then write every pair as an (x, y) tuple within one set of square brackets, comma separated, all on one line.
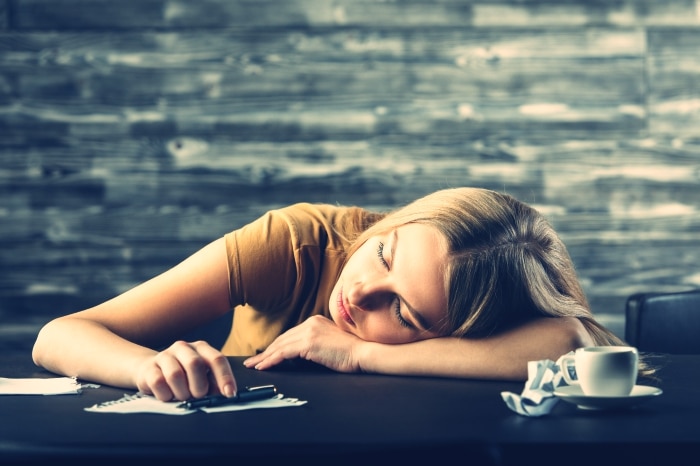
[(537, 398)]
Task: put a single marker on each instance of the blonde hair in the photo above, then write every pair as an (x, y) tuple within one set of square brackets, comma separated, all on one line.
[(507, 264)]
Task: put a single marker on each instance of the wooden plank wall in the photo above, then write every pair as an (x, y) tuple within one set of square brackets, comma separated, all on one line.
[(133, 132)]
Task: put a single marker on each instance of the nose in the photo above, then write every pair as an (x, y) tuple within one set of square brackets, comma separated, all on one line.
[(370, 295)]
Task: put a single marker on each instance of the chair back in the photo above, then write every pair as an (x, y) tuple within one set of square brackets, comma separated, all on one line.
[(664, 322)]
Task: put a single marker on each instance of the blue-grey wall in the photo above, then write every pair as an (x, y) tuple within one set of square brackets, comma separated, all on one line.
[(133, 132)]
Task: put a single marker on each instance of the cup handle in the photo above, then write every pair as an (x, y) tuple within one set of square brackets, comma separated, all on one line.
[(567, 365)]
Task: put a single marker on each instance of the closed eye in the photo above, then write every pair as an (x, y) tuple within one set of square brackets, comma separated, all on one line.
[(397, 311), (380, 254), (397, 305)]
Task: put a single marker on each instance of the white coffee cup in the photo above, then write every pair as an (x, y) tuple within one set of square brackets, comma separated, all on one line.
[(602, 370)]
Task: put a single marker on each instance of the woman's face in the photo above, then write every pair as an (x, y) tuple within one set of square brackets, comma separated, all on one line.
[(392, 289)]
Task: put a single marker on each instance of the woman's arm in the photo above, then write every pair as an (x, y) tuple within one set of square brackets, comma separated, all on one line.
[(504, 356), (114, 343)]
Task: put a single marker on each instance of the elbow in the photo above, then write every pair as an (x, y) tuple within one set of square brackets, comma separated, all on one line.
[(38, 348), (42, 346), (574, 335)]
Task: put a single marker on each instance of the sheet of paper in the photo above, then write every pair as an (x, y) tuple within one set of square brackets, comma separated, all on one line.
[(278, 401), (33, 386), (140, 403)]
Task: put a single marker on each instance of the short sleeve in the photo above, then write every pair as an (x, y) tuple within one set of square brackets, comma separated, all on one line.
[(282, 269), (262, 267)]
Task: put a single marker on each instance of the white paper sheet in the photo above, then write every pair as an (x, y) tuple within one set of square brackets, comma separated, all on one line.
[(140, 403), (51, 386)]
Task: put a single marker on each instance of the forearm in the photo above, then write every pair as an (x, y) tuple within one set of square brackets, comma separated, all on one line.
[(504, 356), (85, 349)]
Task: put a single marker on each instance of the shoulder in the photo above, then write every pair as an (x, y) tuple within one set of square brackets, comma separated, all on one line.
[(327, 225), (276, 235), (323, 214), (287, 246)]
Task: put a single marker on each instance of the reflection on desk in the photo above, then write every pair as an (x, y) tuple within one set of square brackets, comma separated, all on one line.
[(356, 419)]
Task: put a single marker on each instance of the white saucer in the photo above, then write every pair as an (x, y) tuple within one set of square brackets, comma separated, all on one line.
[(573, 394)]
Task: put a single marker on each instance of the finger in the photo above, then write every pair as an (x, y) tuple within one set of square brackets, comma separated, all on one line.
[(219, 368), (172, 376), (195, 367), (196, 370), (154, 383), (280, 350), (253, 360), (279, 342), (276, 357), (285, 346)]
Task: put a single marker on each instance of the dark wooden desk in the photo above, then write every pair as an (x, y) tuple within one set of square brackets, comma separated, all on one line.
[(356, 419)]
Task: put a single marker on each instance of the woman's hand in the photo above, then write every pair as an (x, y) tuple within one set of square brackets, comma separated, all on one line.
[(317, 339), (184, 371)]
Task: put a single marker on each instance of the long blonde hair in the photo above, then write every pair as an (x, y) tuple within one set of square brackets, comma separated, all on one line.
[(507, 264)]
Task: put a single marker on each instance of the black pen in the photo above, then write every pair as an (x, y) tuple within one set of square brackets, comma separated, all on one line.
[(249, 394)]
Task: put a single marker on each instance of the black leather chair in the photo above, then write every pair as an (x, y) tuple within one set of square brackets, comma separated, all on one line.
[(664, 322)]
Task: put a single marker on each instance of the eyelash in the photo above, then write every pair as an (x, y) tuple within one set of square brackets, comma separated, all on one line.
[(397, 311), (380, 254), (397, 307)]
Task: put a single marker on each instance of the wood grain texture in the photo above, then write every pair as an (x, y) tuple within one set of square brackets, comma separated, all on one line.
[(134, 132), (3, 15), (182, 14)]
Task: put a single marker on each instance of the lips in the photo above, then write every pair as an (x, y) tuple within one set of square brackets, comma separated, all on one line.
[(342, 310)]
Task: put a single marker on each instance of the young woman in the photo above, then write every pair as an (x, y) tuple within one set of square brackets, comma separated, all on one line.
[(463, 282)]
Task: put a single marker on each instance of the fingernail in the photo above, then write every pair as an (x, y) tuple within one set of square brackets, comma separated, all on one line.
[(228, 390)]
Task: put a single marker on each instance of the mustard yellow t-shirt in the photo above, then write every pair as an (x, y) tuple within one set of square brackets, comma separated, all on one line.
[(282, 269)]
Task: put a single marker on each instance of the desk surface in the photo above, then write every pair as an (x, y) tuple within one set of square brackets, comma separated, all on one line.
[(353, 418)]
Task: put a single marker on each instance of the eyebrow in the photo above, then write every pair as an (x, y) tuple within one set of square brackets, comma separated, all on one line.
[(417, 316)]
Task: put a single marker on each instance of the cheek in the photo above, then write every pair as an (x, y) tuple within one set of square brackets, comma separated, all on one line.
[(380, 329)]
